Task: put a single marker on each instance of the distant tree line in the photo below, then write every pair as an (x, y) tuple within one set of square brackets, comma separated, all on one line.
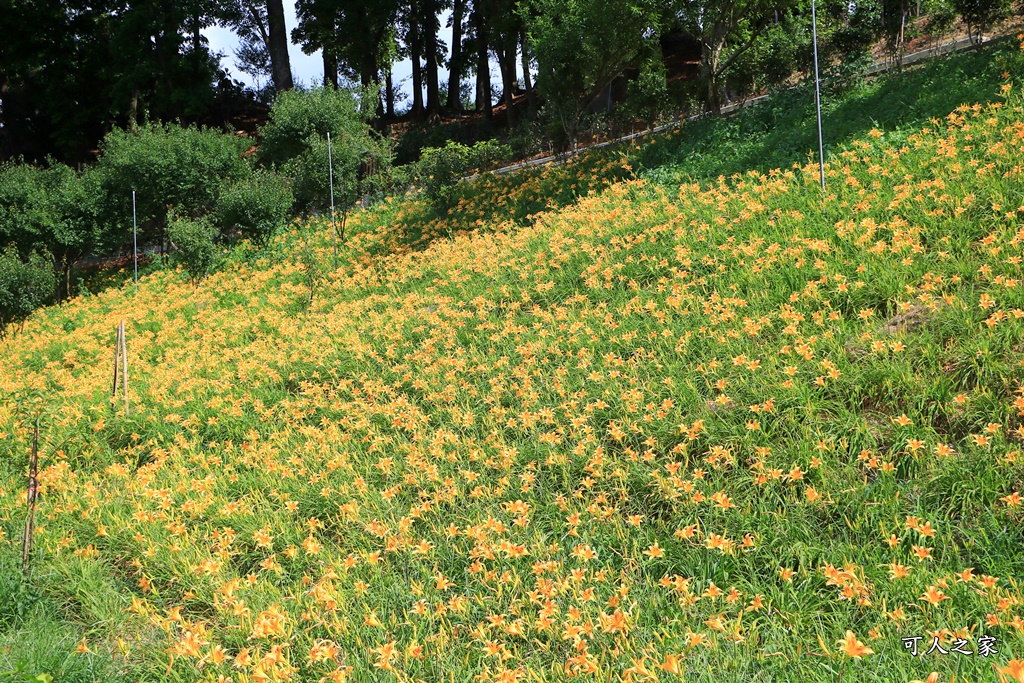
[(72, 71)]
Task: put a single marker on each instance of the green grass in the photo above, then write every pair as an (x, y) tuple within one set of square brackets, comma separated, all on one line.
[(783, 130)]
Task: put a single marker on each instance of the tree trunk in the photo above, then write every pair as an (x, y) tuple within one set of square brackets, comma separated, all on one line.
[(430, 50), (133, 123), (280, 65), (197, 41), (483, 66), (160, 51), (531, 94), (389, 92), (67, 278), (455, 63), (507, 65), (710, 59), (330, 70), (416, 53)]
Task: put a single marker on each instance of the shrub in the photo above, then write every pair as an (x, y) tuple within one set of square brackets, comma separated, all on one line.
[(194, 244), (25, 285), (51, 208), (168, 166), (295, 142), (526, 140), (981, 15), (310, 180), (441, 168), (298, 115), (257, 206)]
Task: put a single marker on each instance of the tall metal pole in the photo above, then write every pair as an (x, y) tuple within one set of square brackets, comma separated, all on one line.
[(135, 241), (334, 229), (817, 96)]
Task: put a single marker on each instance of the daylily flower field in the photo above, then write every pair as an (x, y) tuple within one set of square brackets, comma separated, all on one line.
[(738, 430)]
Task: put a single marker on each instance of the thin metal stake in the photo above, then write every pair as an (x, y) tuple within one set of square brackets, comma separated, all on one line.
[(817, 96), (334, 229), (135, 239)]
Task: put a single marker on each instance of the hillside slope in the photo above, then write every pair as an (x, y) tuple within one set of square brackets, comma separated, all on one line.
[(725, 431)]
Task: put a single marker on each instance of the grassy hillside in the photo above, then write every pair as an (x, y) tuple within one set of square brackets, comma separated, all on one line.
[(723, 430)]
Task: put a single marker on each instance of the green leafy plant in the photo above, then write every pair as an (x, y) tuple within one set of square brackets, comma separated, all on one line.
[(168, 166), (295, 142), (194, 241), (981, 15), (53, 208), (25, 284), (441, 168), (256, 206), (581, 46)]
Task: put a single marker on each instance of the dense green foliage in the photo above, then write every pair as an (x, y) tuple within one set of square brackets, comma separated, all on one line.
[(168, 165), (441, 168), (295, 142), (54, 209), (257, 206), (194, 243), (580, 46), (71, 70), (981, 15), (24, 285), (298, 115)]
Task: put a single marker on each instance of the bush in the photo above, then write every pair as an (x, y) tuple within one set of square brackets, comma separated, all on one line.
[(257, 206), (310, 180), (25, 285), (295, 142), (298, 115), (194, 244), (981, 15), (441, 168), (168, 166), (420, 136), (526, 140), (51, 208)]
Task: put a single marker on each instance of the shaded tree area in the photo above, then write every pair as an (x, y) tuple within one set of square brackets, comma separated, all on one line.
[(72, 71)]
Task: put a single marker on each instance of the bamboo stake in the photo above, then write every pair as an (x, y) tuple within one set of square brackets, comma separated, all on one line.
[(33, 490), (124, 367), (117, 361)]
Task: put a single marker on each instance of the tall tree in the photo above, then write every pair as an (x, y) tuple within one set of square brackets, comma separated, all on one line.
[(455, 65), (505, 27), (481, 31), (248, 19), (317, 29), (78, 68), (357, 36), (428, 18), (278, 46), (531, 94), (726, 29), (415, 42), (581, 46)]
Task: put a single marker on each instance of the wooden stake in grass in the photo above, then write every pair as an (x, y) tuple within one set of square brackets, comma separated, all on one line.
[(120, 360), (33, 490), (124, 366)]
